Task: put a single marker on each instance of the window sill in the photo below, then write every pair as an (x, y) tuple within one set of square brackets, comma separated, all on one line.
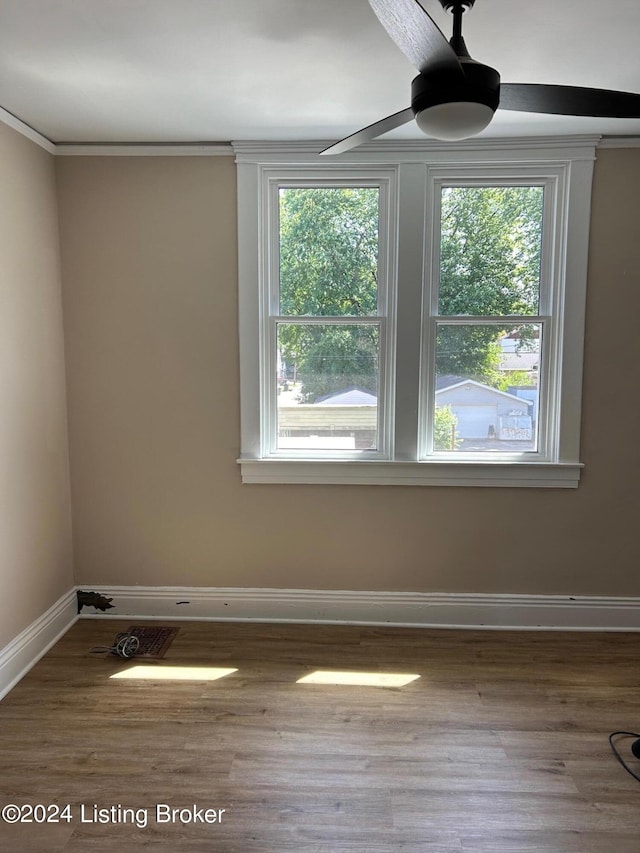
[(536, 475)]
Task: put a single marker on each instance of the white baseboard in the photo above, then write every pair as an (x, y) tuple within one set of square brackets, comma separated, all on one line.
[(30, 645), (340, 607), (408, 609)]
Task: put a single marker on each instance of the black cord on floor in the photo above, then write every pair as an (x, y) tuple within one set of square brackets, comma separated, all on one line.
[(617, 754), (124, 645)]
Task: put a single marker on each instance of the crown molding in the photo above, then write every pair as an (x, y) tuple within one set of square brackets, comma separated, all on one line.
[(249, 150), (418, 150), (136, 149), (423, 144), (244, 148), (620, 142), (17, 124)]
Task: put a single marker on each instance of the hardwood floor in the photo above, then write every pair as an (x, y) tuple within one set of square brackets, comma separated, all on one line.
[(499, 747)]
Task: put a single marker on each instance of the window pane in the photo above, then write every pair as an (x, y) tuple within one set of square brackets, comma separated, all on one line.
[(486, 395), (327, 387), (490, 247), (329, 251)]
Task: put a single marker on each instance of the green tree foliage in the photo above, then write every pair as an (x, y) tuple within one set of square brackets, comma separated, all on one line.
[(490, 250), (333, 358), (471, 351), (520, 378), (474, 351), (445, 435), (329, 251)]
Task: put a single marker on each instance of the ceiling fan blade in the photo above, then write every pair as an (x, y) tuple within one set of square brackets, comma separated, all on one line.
[(568, 100), (371, 132), (417, 35)]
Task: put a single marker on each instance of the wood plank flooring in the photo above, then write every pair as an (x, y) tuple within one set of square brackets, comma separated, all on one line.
[(499, 747)]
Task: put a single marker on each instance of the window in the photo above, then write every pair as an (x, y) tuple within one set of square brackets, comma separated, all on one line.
[(328, 313), (489, 267), (413, 315)]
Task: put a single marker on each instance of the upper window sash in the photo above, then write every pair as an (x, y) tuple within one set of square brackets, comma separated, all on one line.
[(384, 187), (553, 179)]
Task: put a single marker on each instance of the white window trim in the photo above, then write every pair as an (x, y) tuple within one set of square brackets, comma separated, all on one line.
[(569, 159)]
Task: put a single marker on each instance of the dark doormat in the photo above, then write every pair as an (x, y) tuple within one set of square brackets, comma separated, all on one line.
[(154, 642)]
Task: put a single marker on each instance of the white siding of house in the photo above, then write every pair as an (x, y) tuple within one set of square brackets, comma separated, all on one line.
[(478, 408), (474, 421)]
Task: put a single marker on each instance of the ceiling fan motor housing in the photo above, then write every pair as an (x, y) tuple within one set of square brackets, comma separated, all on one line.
[(449, 5), (481, 85)]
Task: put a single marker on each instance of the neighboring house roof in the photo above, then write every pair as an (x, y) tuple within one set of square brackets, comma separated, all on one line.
[(520, 361), (519, 355), (459, 383), (349, 397), (446, 381), (360, 397)]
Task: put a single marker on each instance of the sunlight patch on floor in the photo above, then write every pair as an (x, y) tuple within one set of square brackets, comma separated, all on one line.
[(359, 679), (174, 673)]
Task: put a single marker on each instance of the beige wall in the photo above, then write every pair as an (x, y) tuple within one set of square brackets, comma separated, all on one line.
[(149, 271), (35, 517)]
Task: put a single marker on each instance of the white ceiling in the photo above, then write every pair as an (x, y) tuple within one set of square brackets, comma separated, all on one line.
[(220, 70)]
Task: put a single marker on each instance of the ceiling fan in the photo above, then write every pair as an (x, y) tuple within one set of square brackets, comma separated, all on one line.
[(454, 97)]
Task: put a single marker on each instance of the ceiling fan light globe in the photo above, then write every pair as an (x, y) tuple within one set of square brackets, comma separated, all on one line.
[(455, 120)]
